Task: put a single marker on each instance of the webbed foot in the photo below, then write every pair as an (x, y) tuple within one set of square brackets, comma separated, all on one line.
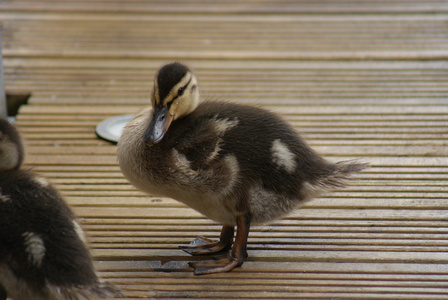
[(204, 246), (239, 249), (215, 266)]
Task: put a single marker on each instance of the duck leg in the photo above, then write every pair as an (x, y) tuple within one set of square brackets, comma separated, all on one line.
[(239, 252), (207, 246)]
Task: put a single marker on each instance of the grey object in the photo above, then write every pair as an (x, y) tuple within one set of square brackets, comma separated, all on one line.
[(111, 129)]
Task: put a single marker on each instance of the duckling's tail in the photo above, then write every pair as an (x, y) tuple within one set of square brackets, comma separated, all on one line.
[(341, 174), (336, 176)]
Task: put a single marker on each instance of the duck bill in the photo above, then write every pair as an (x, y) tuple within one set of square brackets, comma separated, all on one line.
[(160, 122)]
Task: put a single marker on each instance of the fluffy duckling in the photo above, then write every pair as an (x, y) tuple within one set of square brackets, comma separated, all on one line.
[(43, 254), (236, 164)]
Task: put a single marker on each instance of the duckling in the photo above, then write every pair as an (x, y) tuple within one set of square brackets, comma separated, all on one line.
[(236, 164), (43, 251)]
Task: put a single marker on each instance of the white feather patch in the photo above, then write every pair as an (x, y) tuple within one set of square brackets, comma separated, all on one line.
[(79, 232), (215, 152), (35, 247), (223, 125), (183, 165), (234, 168), (41, 181), (282, 156), (4, 198)]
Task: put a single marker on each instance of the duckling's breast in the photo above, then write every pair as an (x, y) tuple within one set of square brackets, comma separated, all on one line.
[(187, 165)]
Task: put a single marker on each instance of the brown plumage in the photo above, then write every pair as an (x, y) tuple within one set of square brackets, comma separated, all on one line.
[(43, 254), (234, 163)]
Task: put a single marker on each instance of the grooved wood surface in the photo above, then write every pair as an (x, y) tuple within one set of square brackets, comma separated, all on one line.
[(358, 79)]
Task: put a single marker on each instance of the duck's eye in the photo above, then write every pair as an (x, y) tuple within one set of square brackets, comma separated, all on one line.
[(181, 91)]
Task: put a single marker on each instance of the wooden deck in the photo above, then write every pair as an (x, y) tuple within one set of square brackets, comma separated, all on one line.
[(358, 79)]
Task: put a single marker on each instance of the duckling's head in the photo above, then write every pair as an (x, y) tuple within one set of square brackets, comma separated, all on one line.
[(11, 148), (175, 95)]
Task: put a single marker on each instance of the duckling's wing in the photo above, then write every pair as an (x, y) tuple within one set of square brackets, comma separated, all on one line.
[(199, 139), (202, 151)]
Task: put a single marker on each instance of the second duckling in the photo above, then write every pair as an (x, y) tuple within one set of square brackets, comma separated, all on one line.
[(236, 164), (43, 251)]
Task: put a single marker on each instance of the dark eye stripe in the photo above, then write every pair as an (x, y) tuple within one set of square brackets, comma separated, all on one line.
[(183, 88)]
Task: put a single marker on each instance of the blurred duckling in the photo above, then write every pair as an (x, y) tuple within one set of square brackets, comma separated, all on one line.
[(43, 252), (236, 164)]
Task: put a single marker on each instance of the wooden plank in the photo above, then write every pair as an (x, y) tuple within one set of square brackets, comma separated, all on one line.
[(285, 255), (219, 39), (287, 224), (310, 214), (235, 55), (97, 229), (344, 201), (234, 7)]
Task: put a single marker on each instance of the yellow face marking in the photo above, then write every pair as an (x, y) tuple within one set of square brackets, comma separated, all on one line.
[(155, 94), (173, 94), (173, 108)]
